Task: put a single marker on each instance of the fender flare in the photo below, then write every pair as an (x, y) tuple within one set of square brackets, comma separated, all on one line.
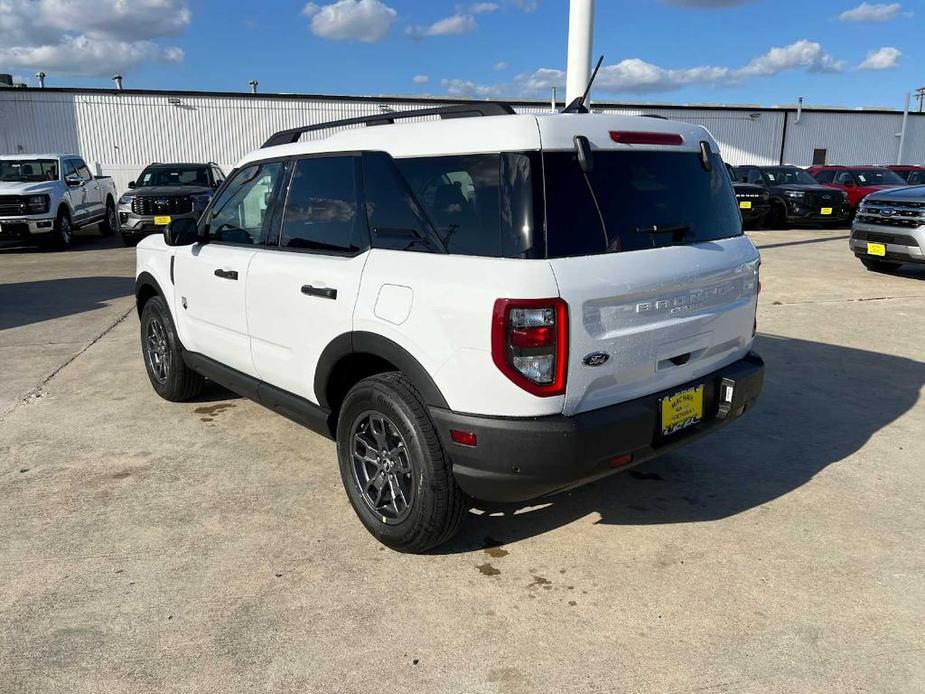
[(146, 279), (362, 342)]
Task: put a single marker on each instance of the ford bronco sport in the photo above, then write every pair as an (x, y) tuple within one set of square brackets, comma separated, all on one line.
[(490, 305)]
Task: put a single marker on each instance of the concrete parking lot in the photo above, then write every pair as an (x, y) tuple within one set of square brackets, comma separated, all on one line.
[(150, 547)]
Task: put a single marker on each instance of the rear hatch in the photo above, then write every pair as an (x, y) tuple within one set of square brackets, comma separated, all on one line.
[(648, 252)]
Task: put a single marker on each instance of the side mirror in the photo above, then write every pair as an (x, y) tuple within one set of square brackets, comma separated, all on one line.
[(73, 181), (181, 232), (131, 184), (216, 184)]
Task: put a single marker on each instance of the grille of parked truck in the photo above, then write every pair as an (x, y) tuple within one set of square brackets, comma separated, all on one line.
[(164, 192), (482, 304), (45, 197), (889, 229)]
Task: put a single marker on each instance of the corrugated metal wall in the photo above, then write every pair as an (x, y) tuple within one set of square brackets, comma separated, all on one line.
[(119, 133)]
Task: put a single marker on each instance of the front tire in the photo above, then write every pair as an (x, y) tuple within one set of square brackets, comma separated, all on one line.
[(875, 265), (110, 223), (170, 377), (397, 476), (63, 234), (130, 241)]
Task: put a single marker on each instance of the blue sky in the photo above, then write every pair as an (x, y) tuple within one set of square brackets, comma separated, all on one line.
[(832, 52)]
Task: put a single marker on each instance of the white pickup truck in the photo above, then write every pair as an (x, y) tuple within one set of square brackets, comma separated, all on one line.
[(45, 197)]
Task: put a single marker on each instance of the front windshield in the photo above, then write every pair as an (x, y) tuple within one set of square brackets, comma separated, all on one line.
[(28, 170), (790, 174), (877, 177), (175, 176)]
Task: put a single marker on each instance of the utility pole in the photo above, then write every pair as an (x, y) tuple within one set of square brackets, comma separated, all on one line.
[(920, 95), (580, 37)]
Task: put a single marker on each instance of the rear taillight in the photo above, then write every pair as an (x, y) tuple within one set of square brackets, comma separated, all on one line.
[(529, 343)]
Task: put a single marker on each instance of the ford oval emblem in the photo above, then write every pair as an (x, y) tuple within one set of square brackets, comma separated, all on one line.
[(596, 359), (887, 211)]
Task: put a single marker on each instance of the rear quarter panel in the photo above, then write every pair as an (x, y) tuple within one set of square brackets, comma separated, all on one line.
[(439, 309)]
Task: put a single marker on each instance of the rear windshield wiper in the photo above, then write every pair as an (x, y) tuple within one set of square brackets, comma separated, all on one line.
[(664, 229)]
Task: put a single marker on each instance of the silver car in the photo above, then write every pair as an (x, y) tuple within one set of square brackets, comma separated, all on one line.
[(889, 229)]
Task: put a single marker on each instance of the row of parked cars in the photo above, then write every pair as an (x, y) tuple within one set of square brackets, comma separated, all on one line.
[(781, 196), (45, 197)]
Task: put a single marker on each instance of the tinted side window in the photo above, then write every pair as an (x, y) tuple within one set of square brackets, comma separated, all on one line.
[(460, 195), (754, 176), (396, 221), (240, 214), (69, 167), (844, 178), (916, 178), (321, 210), (824, 176)]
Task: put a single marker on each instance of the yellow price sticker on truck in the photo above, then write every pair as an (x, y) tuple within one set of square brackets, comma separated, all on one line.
[(682, 410), (162, 220), (876, 249), (745, 204), (826, 210)]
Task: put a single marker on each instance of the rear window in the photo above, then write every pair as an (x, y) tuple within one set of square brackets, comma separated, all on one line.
[(635, 200)]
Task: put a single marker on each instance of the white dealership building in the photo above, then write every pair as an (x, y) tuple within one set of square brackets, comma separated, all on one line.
[(118, 132)]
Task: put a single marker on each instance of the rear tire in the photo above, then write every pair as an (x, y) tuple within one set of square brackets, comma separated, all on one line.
[(397, 476), (879, 265), (170, 377), (110, 223)]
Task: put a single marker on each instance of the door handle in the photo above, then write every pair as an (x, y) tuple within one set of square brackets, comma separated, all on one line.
[(323, 292), (226, 274)]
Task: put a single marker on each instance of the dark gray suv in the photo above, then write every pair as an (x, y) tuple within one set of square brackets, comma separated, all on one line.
[(163, 193)]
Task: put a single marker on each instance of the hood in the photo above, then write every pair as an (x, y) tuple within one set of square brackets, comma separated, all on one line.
[(749, 188), (807, 187), (912, 194), (26, 188), (152, 191)]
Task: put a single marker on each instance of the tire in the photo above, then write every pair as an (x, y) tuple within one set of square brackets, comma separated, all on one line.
[(110, 224), (755, 223), (170, 377), (63, 234), (130, 241), (415, 464), (879, 265), (777, 217)]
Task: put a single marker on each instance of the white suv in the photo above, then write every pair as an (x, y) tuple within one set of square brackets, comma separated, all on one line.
[(486, 304)]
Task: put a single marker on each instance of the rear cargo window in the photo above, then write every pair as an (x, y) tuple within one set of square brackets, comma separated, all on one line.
[(636, 200)]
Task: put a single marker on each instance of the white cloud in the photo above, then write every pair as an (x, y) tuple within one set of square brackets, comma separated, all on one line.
[(500, 66), (806, 54), (636, 76), (420, 79), (470, 88), (351, 20), (882, 59), (483, 7), (81, 55), (89, 37), (448, 26), (871, 12), (524, 5)]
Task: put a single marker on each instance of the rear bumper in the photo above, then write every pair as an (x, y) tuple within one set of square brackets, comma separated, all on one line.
[(525, 458)]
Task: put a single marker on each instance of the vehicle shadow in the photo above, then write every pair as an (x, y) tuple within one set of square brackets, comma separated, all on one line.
[(821, 403), (88, 239), (24, 303)]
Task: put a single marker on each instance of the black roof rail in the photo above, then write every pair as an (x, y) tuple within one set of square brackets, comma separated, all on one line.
[(473, 110)]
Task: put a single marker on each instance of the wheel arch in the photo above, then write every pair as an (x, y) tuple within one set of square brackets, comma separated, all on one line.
[(146, 287), (353, 356)]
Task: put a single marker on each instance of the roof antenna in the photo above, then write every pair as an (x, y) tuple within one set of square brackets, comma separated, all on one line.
[(578, 104)]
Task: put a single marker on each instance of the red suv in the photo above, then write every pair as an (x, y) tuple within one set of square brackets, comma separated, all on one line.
[(912, 175), (857, 181)]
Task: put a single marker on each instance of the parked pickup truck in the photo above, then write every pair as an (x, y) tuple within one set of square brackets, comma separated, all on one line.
[(45, 197), (889, 229)]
